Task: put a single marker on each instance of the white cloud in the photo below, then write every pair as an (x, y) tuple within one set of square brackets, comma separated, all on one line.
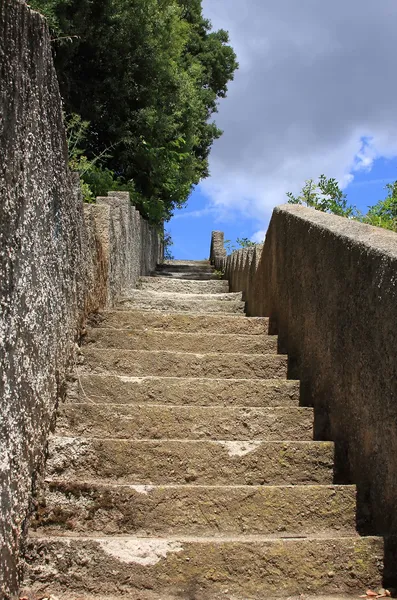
[(314, 94), (195, 214), (259, 236)]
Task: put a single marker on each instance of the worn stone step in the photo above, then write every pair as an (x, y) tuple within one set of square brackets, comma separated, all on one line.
[(185, 422), (243, 567), (185, 323), (137, 594), (186, 461), (188, 275), (159, 296), (183, 286), (186, 391), (185, 261), (140, 363), (165, 301), (287, 511), (153, 339), (183, 267)]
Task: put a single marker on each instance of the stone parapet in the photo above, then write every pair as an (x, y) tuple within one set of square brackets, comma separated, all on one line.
[(329, 286)]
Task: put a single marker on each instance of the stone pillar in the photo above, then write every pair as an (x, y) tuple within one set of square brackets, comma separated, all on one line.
[(218, 252)]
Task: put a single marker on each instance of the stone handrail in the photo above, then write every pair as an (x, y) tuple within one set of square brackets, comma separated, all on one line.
[(329, 286)]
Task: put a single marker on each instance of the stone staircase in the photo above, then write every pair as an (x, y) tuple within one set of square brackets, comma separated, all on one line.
[(183, 465)]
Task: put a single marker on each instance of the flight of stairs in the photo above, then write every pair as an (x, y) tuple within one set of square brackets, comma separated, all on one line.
[(183, 465)]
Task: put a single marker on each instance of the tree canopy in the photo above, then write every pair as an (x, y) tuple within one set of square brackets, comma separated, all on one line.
[(325, 195), (384, 213), (147, 75)]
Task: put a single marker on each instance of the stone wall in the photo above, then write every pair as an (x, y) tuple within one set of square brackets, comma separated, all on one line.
[(59, 262), (329, 286)]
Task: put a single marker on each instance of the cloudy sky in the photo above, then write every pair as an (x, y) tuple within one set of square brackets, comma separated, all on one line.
[(315, 93)]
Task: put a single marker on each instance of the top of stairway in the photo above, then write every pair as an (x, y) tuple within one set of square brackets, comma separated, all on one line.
[(186, 267), (193, 263)]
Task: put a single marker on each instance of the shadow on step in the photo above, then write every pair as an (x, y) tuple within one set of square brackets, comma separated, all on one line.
[(390, 565)]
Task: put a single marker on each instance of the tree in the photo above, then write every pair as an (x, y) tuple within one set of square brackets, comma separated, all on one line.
[(168, 242), (245, 242), (384, 213), (325, 195), (148, 76)]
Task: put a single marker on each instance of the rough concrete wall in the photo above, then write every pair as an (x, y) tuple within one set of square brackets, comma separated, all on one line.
[(330, 287), (59, 261)]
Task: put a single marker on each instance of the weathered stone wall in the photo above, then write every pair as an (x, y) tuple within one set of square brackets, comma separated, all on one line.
[(133, 246), (59, 261), (217, 251), (330, 287)]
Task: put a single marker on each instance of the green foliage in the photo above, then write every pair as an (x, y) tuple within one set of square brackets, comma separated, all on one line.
[(229, 246), (147, 75), (48, 8), (325, 195), (245, 242), (167, 240), (241, 243), (95, 180), (76, 133), (384, 213)]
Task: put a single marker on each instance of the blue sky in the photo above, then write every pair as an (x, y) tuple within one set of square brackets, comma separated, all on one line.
[(191, 227), (314, 94)]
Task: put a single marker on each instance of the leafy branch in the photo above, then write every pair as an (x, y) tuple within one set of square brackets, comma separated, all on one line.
[(326, 196)]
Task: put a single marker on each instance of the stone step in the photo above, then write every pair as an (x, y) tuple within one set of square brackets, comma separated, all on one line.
[(175, 390), (167, 302), (159, 296), (185, 422), (184, 323), (139, 594), (141, 363), (187, 267), (166, 284), (185, 261), (188, 275), (287, 511), (185, 461), (243, 567), (152, 339)]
